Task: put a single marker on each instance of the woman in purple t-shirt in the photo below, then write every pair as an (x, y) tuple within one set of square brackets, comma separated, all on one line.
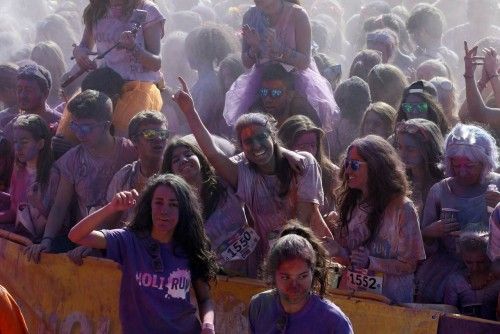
[(161, 252), (296, 267)]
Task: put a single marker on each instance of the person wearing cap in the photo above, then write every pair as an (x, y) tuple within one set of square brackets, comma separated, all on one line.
[(470, 158), (33, 86), (420, 101)]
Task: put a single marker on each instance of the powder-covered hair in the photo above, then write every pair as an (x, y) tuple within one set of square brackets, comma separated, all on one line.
[(472, 242), (474, 143)]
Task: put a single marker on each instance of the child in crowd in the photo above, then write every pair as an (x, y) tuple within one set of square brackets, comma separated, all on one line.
[(34, 181), (474, 290), (165, 242), (296, 268)]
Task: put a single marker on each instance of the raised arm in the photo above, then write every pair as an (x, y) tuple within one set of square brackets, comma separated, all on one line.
[(224, 166), (478, 111), (85, 232)]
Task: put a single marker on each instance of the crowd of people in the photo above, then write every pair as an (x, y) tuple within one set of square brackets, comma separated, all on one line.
[(189, 138)]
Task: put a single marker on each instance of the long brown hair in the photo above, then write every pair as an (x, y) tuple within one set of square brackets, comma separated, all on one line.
[(386, 181), (96, 10)]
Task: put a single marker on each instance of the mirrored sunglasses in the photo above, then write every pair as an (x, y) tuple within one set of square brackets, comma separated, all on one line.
[(420, 107), (154, 134), (84, 128), (273, 93)]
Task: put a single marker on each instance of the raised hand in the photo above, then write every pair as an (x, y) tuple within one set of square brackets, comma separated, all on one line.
[(490, 62), (124, 200), (183, 97), (471, 60), (127, 40)]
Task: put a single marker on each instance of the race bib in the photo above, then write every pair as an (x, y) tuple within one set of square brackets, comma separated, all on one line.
[(364, 280), (239, 245)]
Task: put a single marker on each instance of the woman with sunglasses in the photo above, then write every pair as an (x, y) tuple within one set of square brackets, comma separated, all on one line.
[(419, 144), (279, 31), (86, 169), (225, 223), (458, 203), (377, 229), (261, 176), (296, 269), (163, 251), (420, 101)]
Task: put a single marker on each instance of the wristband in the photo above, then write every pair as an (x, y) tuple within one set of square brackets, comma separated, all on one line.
[(468, 76)]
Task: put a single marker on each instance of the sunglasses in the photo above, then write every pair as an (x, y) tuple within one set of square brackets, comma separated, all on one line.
[(153, 134), (154, 251), (273, 93), (354, 164), (420, 107), (84, 128), (260, 138)]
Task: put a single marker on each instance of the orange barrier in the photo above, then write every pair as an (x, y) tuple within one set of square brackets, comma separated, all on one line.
[(57, 296)]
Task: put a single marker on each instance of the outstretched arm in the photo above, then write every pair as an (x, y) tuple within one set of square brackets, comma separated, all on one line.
[(226, 168)]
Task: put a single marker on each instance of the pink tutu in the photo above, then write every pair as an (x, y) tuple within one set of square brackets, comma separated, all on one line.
[(308, 83)]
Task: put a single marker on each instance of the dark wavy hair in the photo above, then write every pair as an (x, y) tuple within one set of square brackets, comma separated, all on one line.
[(38, 129), (283, 170), (212, 190), (386, 181), (298, 242), (96, 10), (189, 233)]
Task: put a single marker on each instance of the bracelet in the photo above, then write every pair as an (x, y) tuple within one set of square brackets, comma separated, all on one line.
[(468, 76)]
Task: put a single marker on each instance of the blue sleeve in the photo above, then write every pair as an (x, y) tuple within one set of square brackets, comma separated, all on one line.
[(116, 244)]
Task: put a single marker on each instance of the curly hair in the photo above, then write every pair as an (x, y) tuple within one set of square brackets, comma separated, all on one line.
[(189, 233), (298, 242), (212, 191), (386, 181)]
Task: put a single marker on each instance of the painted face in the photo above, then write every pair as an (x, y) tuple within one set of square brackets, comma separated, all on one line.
[(151, 140), (293, 280), (466, 172), (374, 125), (25, 146), (476, 261), (414, 106), (306, 141), (29, 95), (274, 96), (257, 145), (164, 210), (186, 164), (409, 151), (88, 131), (356, 170)]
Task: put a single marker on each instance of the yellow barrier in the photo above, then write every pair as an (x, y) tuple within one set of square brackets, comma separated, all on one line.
[(57, 296)]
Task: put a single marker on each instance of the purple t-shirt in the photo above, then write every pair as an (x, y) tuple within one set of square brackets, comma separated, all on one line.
[(91, 176), (318, 316), (152, 301)]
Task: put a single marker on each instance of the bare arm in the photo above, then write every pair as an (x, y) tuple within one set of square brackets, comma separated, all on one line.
[(84, 233), (81, 52), (226, 168), (150, 57), (205, 304)]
